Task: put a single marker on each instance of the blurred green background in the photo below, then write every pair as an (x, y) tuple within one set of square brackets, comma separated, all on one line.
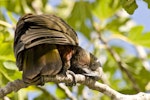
[(123, 24)]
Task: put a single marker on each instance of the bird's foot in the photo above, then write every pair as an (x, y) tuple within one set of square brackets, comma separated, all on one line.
[(73, 83), (65, 73)]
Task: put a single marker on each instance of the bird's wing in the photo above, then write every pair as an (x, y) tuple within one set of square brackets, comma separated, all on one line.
[(32, 30), (34, 37), (38, 29)]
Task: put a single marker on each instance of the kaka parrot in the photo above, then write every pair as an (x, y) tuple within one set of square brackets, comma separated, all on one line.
[(85, 63), (43, 45)]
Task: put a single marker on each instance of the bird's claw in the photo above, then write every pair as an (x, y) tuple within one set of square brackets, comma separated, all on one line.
[(73, 83)]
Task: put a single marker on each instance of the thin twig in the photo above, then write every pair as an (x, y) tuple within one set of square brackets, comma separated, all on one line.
[(5, 24), (67, 91), (48, 95), (143, 56)]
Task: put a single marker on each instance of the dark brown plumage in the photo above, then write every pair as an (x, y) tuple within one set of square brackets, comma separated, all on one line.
[(43, 45), (83, 62)]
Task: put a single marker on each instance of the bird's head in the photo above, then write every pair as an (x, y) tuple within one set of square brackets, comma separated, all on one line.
[(94, 62)]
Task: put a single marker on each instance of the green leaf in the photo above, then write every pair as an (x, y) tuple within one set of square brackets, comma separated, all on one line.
[(9, 74), (22, 94), (129, 5), (10, 65), (148, 2), (3, 3), (3, 81), (105, 97), (60, 93), (139, 38), (6, 51), (140, 72), (135, 32), (80, 15), (127, 91), (4, 73), (104, 9), (1, 37), (116, 23), (80, 89), (144, 75), (44, 2)]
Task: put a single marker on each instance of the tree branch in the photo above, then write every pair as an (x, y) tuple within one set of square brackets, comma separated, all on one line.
[(6, 24), (18, 84)]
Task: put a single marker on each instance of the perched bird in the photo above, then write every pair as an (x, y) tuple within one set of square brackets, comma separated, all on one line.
[(83, 62), (43, 45)]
